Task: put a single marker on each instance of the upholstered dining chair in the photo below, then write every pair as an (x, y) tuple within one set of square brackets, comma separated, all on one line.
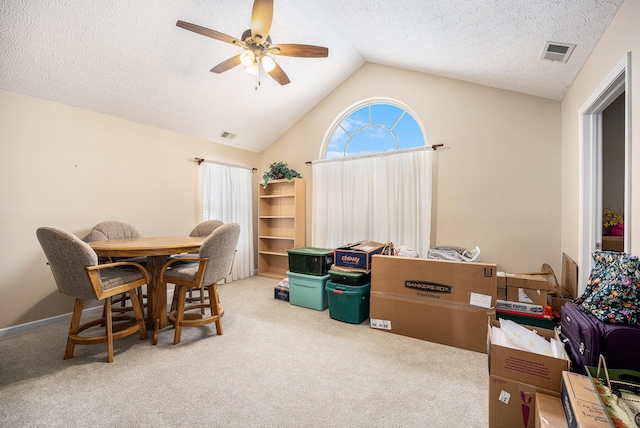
[(78, 274), (111, 229), (202, 229), (205, 228), (205, 271)]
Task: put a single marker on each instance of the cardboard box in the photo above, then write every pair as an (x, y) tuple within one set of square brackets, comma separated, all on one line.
[(549, 411), (532, 289), (512, 403), (501, 279), (568, 283), (357, 255), (281, 293), (569, 277), (530, 282), (527, 367), (524, 308), (440, 301), (581, 403)]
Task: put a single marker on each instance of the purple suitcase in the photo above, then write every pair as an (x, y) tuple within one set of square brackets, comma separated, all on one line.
[(587, 337)]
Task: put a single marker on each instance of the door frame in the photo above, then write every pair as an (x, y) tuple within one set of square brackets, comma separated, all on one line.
[(590, 167)]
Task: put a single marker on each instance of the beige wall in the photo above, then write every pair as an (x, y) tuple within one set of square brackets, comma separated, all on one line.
[(70, 168), (497, 181), (622, 36), (507, 180)]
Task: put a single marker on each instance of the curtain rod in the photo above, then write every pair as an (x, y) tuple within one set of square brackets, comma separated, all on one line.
[(433, 147), (200, 160)]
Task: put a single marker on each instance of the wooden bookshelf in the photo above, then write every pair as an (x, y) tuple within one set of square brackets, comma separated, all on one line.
[(281, 225)]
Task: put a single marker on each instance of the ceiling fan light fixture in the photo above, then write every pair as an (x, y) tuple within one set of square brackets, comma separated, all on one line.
[(247, 57), (252, 69), (268, 64)]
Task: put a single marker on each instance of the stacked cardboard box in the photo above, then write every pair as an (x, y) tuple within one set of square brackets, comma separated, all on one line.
[(515, 376), (537, 290), (357, 256), (532, 289), (549, 412), (568, 283), (436, 300), (581, 402)]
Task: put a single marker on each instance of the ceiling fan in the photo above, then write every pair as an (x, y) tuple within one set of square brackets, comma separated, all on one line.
[(256, 45)]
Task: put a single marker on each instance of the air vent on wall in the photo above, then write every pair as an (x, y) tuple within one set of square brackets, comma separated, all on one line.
[(557, 51), (227, 135)]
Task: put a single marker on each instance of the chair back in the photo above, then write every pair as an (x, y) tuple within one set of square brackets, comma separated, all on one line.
[(68, 256), (219, 248), (112, 230), (205, 228)]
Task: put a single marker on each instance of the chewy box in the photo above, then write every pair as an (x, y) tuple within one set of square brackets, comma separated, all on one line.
[(348, 303), (358, 255), (281, 293), (310, 260), (308, 290)]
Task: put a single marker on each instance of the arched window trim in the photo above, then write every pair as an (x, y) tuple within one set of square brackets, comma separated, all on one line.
[(357, 106)]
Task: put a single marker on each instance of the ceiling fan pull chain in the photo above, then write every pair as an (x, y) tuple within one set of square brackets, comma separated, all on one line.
[(257, 78)]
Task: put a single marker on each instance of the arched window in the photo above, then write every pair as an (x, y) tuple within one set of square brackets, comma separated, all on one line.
[(373, 179), (373, 126)]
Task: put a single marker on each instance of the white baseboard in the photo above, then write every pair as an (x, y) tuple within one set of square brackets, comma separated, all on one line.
[(21, 328)]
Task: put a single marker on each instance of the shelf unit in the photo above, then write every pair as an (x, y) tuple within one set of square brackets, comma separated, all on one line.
[(281, 225)]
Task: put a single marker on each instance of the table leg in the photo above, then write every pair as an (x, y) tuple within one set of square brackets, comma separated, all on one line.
[(156, 293)]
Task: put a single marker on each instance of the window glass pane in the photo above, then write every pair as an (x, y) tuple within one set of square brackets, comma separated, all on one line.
[(373, 128), (372, 139), (337, 143), (385, 114), (356, 120), (408, 132)]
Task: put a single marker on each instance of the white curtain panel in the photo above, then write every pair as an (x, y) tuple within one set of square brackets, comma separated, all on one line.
[(384, 197), (227, 197)]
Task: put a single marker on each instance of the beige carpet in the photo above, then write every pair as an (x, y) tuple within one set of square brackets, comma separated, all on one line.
[(277, 365)]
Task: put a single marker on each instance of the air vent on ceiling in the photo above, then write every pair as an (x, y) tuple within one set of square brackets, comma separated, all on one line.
[(227, 135), (557, 51)]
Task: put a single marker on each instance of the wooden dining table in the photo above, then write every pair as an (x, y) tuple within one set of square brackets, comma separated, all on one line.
[(157, 252)]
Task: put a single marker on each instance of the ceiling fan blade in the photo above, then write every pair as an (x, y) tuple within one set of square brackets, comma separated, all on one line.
[(261, 17), (226, 65), (209, 33), (279, 75), (306, 51)]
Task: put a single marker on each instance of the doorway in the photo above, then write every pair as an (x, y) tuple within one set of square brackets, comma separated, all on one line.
[(598, 187)]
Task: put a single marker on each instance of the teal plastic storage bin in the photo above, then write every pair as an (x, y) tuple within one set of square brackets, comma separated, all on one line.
[(308, 290), (348, 303), (310, 260)]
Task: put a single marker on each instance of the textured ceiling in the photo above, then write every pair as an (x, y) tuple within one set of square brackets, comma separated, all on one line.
[(128, 59)]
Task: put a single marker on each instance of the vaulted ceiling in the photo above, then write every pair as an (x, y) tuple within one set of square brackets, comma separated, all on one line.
[(129, 59)]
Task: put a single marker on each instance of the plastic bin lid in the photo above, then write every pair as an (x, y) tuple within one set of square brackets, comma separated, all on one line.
[(307, 276), (332, 287), (310, 251), (348, 274)]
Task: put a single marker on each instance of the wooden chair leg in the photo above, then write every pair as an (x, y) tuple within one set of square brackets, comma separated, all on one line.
[(156, 327), (214, 304), (73, 328), (140, 295), (109, 321), (174, 299), (137, 311), (182, 297), (201, 291)]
